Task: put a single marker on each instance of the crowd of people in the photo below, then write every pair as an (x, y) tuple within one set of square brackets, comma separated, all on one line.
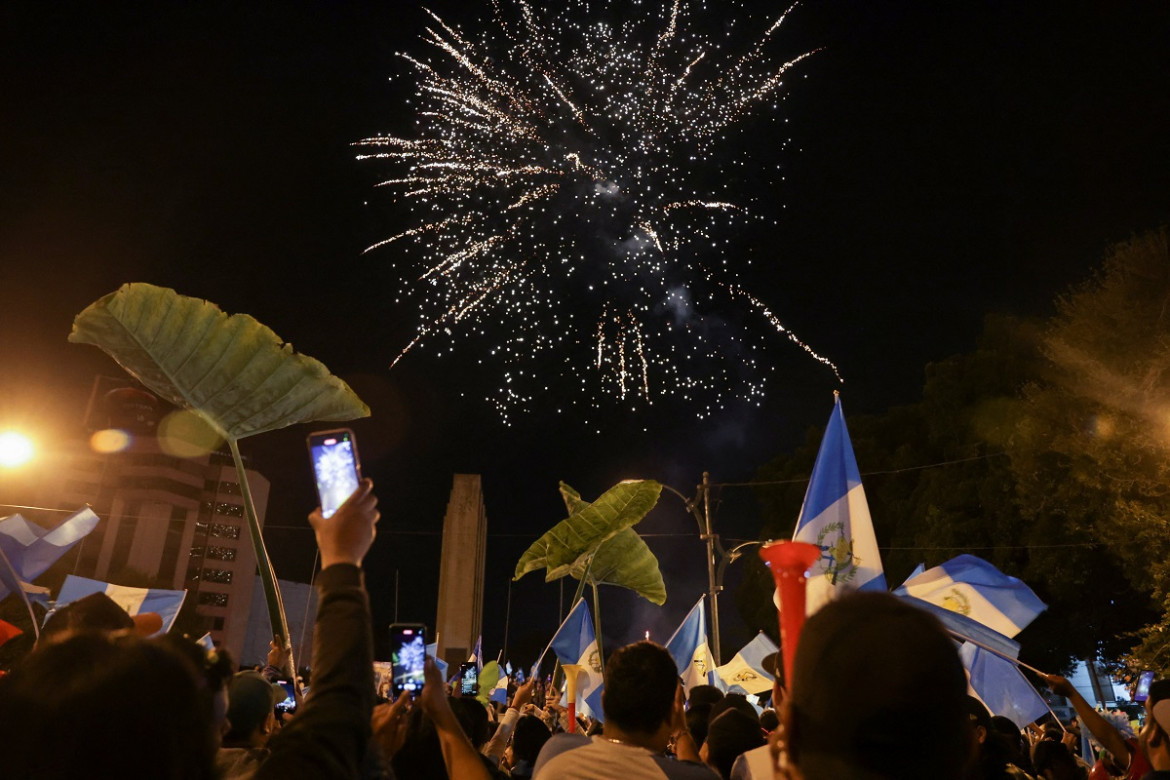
[(877, 691)]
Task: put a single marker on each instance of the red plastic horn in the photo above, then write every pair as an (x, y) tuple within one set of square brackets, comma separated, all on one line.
[(788, 562)]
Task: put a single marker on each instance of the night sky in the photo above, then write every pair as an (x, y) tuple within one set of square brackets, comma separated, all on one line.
[(947, 160)]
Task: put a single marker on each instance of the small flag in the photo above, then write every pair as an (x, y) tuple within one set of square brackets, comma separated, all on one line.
[(973, 587), (1000, 685), (576, 643), (835, 517), (30, 549), (164, 603), (500, 692), (688, 645), (8, 631), (745, 673), (432, 651), (476, 656)]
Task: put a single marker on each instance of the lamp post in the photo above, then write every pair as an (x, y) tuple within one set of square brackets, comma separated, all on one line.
[(717, 557)]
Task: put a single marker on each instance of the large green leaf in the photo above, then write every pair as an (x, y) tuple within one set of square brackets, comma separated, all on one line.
[(232, 371), (626, 561), (575, 539)]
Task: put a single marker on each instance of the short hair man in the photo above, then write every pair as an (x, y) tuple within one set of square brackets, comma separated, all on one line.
[(877, 691), (643, 704)]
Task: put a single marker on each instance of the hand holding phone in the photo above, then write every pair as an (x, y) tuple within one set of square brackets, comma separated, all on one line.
[(408, 655)]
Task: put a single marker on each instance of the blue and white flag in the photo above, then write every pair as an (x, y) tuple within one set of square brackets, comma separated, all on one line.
[(835, 517), (432, 651), (745, 672), (499, 694), (136, 601), (964, 629), (973, 587), (30, 549), (1000, 685), (576, 643), (476, 656), (688, 645)]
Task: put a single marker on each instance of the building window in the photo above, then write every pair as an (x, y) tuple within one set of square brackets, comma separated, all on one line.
[(193, 571), (209, 485), (213, 599), (222, 531), (197, 551), (222, 576), (230, 488), (230, 510), (221, 553)]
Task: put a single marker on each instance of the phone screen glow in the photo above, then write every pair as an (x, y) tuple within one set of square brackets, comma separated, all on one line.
[(336, 471)]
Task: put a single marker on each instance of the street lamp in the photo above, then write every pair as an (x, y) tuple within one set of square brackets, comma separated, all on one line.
[(16, 449)]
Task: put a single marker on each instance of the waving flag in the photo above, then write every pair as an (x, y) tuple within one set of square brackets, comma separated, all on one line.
[(745, 672), (30, 549), (1000, 685), (499, 694), (688, 645), (964, 628), (835, 517), (576, 643), (136, 601), (973, 587)]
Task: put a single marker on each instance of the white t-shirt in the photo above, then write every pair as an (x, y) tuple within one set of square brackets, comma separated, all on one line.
[(577, 757)]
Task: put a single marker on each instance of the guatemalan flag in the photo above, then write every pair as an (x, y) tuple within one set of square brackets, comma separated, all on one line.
[(835, 517), (688, 646), (136, 601), (576, 643), (30, 549), (999, 684), (973, 587), (745, 673)]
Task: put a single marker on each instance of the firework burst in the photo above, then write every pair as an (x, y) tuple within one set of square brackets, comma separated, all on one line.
[(572, 206)]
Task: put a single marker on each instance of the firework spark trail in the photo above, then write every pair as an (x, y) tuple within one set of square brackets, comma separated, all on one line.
[(558, 180)]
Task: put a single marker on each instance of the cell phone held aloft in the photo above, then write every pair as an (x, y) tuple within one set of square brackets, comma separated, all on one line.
[(336, 467), (469, 679), (408, 655)]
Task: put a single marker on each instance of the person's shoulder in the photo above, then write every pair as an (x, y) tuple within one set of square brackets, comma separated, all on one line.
[(684, 770), (556, 746)]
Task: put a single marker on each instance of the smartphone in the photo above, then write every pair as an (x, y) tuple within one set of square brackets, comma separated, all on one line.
[(289, 704), (1143, 686), (469, 679), (408, 654), (336, 467)]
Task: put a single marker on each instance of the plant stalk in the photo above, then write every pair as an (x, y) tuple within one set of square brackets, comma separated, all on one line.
[(263, 563)]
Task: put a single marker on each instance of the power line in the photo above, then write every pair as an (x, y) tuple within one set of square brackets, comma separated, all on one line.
[(866, 474)]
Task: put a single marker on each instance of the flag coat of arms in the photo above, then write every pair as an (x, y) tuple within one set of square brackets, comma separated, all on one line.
[(835, 517), (576, 643), (688, 646), (30, 549), (973, 587), (745, 672), (164, 603)]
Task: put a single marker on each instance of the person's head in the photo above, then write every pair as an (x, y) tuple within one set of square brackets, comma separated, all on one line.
[(697, 720), (1155, 735), (1014, 739), (528, 738), (769, 720), (251, 714), (730, 734), (738, 702), (473, 717), (703, 694), (877, 691), (991, 749), (1053, 761), (641, 682), (95, 612), (113, 705)]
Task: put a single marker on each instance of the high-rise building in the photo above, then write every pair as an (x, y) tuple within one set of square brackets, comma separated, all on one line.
[(460, 615), (168, 521)]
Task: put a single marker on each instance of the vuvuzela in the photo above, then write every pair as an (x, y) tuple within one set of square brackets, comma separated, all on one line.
[(571, 672), (788, 562)]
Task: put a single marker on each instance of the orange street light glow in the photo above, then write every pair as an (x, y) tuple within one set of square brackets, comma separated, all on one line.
[(15, 449)]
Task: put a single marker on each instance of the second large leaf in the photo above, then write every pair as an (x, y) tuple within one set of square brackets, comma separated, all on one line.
[(232, 371), (580, 534)]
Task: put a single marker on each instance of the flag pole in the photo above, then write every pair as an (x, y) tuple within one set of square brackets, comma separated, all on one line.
[(993, 651)]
